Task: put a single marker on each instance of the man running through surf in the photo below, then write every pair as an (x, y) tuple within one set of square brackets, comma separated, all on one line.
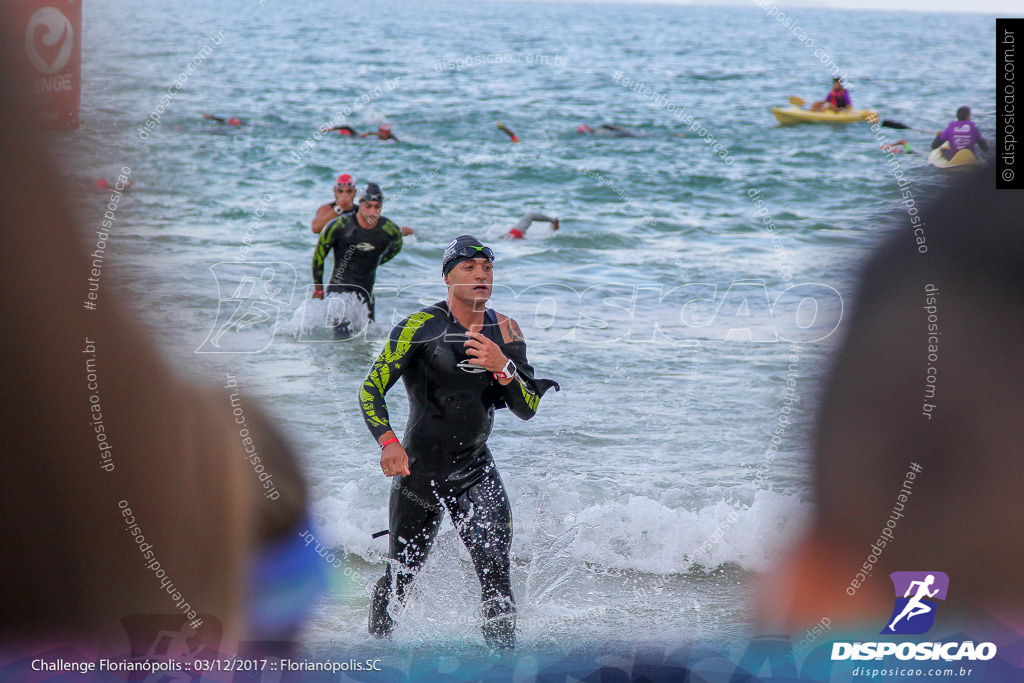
[(460, 361)]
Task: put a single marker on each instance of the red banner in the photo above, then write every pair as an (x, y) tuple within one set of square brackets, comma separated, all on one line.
[(51, 35)]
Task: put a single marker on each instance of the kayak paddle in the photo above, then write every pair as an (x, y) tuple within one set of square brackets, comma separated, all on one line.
[(901, 126), (798, 101)]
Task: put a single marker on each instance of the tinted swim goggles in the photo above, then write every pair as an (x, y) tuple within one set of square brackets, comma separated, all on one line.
[(472, 251), (453, 256)]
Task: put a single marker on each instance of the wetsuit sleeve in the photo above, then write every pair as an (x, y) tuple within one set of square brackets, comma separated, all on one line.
[(395, 245), (530, 218), (323, 247), (404, 342), (522, 395)]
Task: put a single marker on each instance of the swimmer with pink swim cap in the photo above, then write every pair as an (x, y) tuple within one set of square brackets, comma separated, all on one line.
[(519, 231), (104, 184), (344, 202), (233, 121), (382, 133)]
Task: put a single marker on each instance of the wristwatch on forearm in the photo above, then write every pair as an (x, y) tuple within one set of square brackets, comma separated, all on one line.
[(508, 371)]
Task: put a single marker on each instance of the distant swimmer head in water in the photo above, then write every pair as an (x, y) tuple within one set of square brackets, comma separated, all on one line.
[(233, 121), (383, 133), (104, 184), (463, 248)]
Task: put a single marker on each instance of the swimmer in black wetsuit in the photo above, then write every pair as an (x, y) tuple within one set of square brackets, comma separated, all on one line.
[(344, 202), (344, 131), (459, 361), (361, 240), (610, 129), (505, 129), (233, 121)]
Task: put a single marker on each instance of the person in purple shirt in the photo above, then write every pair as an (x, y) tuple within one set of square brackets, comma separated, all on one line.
[(960, 134)]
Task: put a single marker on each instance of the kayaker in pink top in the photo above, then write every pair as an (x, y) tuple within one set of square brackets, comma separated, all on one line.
[(838, 98)]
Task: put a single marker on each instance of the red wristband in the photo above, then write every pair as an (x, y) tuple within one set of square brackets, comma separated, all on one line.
[(393, 439)]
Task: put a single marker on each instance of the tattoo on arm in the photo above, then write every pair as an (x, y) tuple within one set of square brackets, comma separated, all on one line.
[(514, 331)]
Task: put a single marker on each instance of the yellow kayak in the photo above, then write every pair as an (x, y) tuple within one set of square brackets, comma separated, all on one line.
[(963, 160), (791, 115)]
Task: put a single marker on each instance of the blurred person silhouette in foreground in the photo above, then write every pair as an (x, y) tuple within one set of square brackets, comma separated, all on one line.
[(929, 377), (105, 444)]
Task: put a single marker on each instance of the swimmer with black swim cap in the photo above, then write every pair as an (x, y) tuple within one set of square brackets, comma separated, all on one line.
[(344, 202), (460, 361), (361, 241)]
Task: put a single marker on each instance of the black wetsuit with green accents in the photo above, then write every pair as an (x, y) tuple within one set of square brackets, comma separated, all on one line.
[(451, 412), (357, 253)]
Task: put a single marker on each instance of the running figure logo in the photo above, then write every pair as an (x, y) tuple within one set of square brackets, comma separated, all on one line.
[(914, 612), (170, 638), (247, 316)]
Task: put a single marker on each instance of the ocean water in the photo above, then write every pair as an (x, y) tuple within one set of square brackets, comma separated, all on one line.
[(648, 492)]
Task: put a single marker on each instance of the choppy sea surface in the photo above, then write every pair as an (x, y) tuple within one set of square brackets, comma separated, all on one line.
[(700, 265)]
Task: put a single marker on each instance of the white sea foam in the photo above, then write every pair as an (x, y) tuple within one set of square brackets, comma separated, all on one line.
[(314, 319), (636, 533)]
